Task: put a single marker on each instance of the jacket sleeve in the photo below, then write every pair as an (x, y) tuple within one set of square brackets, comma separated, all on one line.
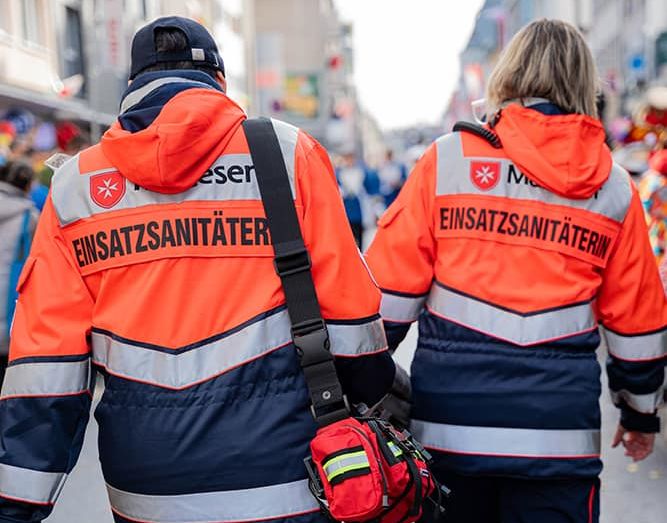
[(348, 296), (46, 394), (632, 308), (402, 254)]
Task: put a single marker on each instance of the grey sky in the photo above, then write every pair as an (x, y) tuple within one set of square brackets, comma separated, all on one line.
[(406, 55)]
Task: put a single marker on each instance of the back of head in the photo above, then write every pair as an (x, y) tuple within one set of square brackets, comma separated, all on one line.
[(174, 42), (546, 59), (549, 59), (175, 103), (171, 40), (17, 174)]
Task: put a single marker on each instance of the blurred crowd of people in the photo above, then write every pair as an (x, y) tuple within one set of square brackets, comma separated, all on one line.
[(367, 191), (26, 139), (25, 144), (640, 145)]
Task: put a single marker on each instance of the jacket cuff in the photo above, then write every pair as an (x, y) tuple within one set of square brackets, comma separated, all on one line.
[(638, 421), (396, 333)]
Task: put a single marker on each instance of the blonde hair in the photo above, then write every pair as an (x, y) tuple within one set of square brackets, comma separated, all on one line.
[(546, 59)]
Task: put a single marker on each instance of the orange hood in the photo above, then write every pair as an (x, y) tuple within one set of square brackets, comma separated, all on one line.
[(185, 139), (564, 153)]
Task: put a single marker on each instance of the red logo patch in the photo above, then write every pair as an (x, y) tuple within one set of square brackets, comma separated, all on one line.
[(485, 175), (107, 189)]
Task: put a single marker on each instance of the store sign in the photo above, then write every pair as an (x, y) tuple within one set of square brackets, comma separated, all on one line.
[(114, 43), (301, 95)]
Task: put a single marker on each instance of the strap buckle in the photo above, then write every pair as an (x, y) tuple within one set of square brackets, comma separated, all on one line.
[(311, 339), (315, 483), (328, 403), (292, 261)]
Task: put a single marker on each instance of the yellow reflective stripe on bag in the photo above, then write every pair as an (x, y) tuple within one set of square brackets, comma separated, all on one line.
[(344, 464), (394, 449)]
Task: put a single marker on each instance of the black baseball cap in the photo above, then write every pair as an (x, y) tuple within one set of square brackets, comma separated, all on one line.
[(201, 46)]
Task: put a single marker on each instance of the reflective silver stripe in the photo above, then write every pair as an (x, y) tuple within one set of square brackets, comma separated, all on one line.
[(288, 135), (453, 177), (102, 171), (645, 347), (510, 326), (46, 378), (68, 192), (71, 190), (402, 309), (180, 370), (135, 97), (497, 441), (274, 501), (30, 485), (646, 403), (355, 339), (342, 464)]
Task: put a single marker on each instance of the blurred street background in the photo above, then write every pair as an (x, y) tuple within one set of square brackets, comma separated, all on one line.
[(375, 81)]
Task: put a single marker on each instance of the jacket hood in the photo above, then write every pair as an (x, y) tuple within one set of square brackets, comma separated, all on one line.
[(565, 154), (12, 202), (187, 136)]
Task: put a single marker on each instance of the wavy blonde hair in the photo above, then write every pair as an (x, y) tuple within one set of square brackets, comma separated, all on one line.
[(546, 59)]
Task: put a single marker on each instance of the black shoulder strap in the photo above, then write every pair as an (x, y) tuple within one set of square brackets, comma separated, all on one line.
[(292, 264)]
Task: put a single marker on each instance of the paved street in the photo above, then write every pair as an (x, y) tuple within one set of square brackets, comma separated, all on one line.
[(630, 493)]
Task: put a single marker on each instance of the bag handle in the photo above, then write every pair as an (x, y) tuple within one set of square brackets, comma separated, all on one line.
[(293, 266)]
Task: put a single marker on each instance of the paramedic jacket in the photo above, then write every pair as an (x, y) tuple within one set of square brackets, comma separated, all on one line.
[(511, 259), (152, 263)]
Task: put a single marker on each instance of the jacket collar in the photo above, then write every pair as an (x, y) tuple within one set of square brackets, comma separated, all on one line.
[(542, 105), (149, 92)]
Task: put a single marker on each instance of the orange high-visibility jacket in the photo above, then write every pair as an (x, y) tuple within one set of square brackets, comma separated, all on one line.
[(152, 264), (512, 258)]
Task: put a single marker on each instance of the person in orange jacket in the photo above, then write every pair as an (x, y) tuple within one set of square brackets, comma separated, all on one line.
[(513, 245), (152, 264)]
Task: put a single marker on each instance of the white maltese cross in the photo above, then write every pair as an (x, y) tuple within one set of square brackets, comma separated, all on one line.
[(107, 188), (485, 175)]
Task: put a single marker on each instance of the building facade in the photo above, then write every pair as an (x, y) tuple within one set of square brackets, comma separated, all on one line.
[(69, 59), (628, 39), (303, 58), (43, 62)]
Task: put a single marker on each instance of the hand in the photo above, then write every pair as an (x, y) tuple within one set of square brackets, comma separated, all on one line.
[(638, 445), (398, 402)]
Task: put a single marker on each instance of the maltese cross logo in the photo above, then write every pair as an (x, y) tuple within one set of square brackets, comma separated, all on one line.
[(107, 189), (485, 175)]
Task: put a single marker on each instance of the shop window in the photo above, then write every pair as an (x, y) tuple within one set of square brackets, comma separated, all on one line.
[(31, 17), (73, 56)]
